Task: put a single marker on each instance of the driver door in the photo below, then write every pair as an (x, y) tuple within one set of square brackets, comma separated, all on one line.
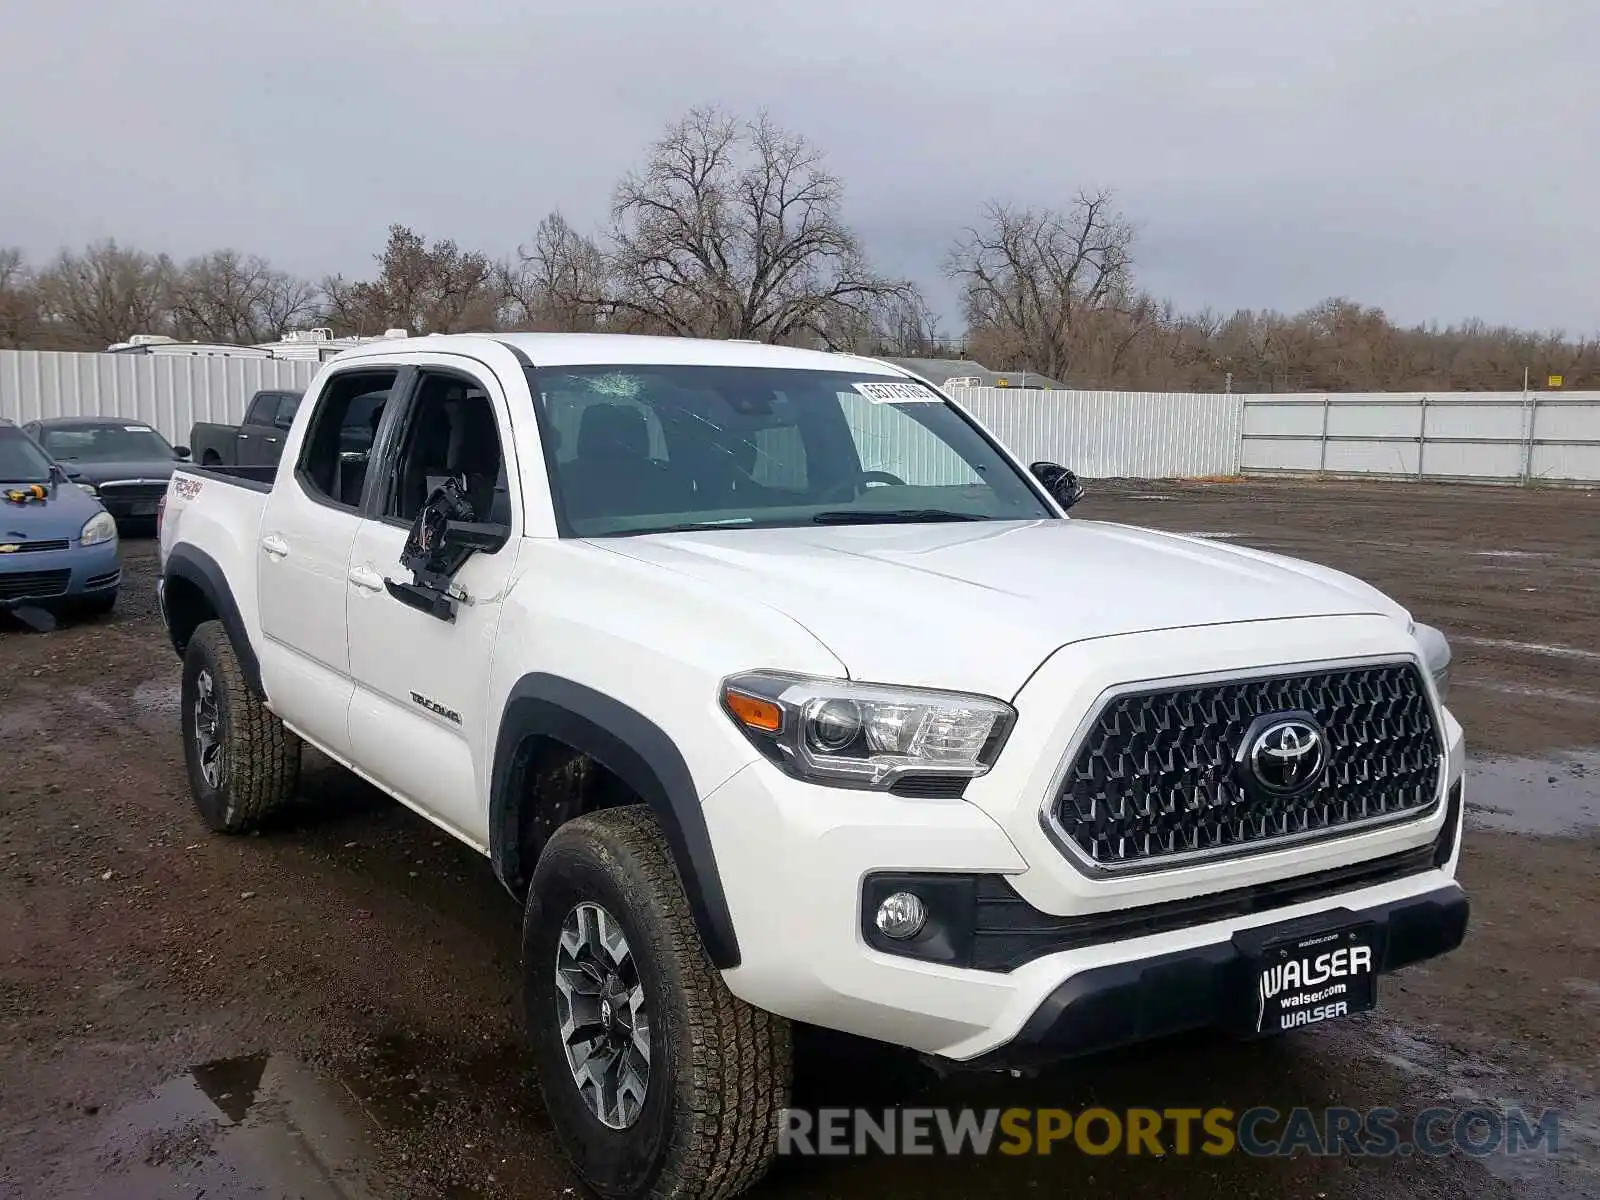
[(417, 723)]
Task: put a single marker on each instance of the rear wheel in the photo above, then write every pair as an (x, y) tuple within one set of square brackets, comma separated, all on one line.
[(659, 1082), (242, 762)]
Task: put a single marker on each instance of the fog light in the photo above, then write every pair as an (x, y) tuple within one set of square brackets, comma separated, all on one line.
[(902, 915)]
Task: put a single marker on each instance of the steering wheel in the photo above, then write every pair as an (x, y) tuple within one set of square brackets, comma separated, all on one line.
[(857, 485)]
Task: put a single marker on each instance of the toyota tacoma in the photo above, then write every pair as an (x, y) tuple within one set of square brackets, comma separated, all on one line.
[(778, 691)]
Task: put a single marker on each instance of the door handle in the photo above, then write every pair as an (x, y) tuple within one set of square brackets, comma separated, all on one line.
[(272, 439), (244, 437), (366, 577), (275, 546)]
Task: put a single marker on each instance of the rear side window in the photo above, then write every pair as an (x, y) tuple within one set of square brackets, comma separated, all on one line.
[(288, 403), (338, 445), (262, 409)]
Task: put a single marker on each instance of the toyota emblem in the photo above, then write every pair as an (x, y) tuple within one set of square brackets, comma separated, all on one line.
[(1285, 753)]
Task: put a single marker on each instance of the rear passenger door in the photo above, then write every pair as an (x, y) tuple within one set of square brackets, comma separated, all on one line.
[(303, 556)]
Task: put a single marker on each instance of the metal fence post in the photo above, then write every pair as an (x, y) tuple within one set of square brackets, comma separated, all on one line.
[(1322, 446), (1532, 407), (1422, 430)]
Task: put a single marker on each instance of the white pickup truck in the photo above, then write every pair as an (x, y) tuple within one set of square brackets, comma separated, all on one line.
[(779, 691)]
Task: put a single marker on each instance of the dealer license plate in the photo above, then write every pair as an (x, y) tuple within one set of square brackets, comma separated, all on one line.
[(1309, 978)]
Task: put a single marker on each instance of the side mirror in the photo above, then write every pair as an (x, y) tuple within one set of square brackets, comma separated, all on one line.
[(182, 452), (444, 535), (1061, 483)]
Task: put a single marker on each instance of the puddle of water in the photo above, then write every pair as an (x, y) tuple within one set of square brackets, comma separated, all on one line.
[(1528, 647), (1564, 695), (1473, 1083), (1557, 796), (256, 1126), (18, 720), (159, 697)]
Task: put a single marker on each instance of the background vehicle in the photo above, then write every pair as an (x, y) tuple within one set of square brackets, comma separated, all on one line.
[(58, 545), (257, 441), (777, 690), (125, 464)]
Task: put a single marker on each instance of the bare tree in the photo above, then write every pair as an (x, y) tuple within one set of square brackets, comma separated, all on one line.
[(735, 229), (560, 282), (425, 289), (105, 294), (19, 301), (1035, 280), (226, 296)]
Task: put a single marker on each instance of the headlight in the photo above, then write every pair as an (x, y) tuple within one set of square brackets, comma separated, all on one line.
[(101, 527), (90, 488), (865, 735), (1436, 654)]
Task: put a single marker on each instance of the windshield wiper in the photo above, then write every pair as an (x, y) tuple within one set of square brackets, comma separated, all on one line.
[(891, 516)]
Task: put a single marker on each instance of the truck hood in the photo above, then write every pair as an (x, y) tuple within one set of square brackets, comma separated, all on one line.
[(977, 606), (60, 515)]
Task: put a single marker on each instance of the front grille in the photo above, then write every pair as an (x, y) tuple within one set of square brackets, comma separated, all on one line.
[(132, 493), (33, 585), (36, 547), (1154, 781)]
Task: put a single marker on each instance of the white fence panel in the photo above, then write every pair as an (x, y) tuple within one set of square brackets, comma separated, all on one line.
[(1504, 437), (1115, 435), (168, 391)]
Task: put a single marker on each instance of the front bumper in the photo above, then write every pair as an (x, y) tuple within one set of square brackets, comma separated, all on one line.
[(1117, 1005), (53, 577), (1019, 984)]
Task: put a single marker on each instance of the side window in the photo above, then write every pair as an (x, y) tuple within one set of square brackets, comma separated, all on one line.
[(288, 403), (263, 406), (333, 461), (450, 430), (890, 440)]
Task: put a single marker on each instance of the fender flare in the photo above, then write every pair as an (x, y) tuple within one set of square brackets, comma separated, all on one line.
[(199, 569), (637, 751)]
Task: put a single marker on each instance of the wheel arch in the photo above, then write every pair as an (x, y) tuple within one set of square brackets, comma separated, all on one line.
[(194, 590), (543, 708)]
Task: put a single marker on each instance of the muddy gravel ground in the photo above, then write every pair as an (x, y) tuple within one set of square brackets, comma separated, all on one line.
[(329, 1009)]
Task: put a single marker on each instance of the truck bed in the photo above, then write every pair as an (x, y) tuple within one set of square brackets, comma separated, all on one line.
[(257, 478)]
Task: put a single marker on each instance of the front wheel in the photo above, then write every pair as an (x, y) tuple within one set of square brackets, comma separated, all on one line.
[(242, 762), (660, 1083)]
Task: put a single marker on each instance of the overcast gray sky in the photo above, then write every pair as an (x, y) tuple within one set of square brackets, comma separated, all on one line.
[(1435, 157)]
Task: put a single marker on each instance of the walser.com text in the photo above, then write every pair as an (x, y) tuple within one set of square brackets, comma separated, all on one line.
[(1158, 1133)]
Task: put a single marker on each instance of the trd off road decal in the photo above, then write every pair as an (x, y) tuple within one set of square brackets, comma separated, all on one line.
[(433, 706)]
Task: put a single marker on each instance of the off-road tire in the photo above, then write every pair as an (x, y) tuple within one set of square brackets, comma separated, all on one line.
[(719, 1069), (260, 758)]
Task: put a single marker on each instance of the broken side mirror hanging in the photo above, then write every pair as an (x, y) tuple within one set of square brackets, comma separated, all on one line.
[(1061, 483), (442, 538)]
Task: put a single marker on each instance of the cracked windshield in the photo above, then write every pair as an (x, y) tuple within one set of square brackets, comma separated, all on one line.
[(651, 449)]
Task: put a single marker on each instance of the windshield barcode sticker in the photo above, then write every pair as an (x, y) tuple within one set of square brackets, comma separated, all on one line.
[(136, 429), (897, 393)]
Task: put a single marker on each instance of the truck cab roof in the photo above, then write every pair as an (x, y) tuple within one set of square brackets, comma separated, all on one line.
[(574, 349)]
